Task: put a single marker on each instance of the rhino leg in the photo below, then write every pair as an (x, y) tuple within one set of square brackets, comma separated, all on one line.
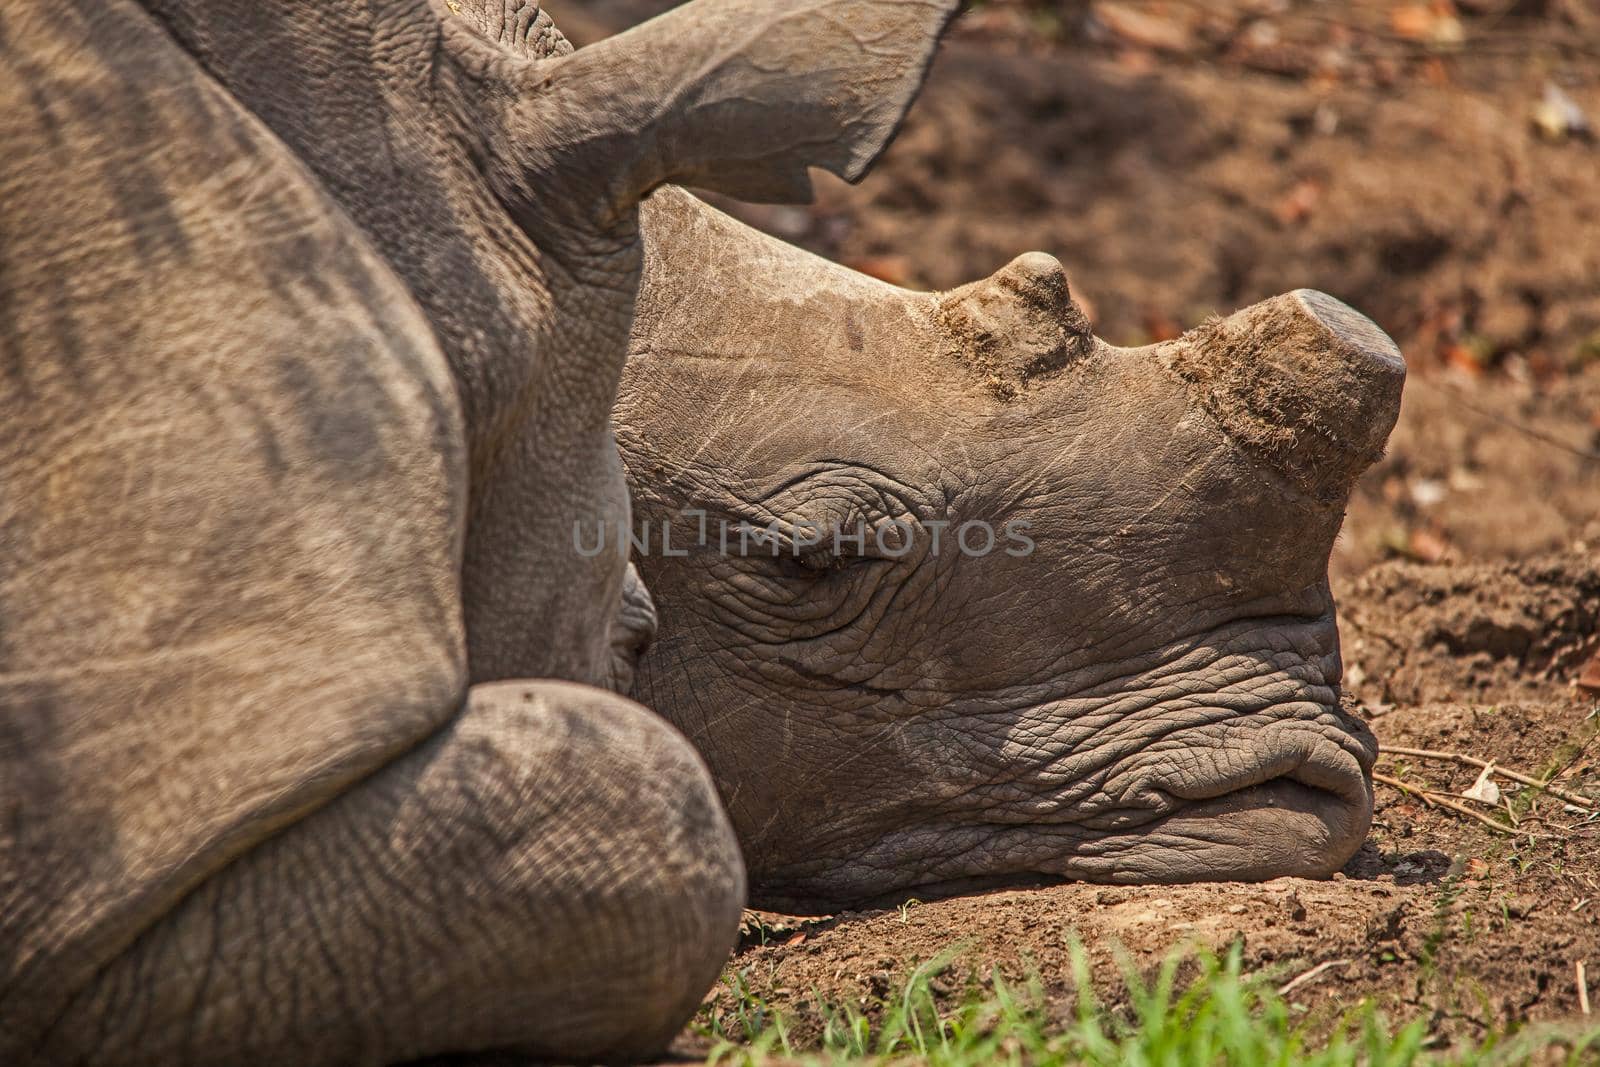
[(551, 874)]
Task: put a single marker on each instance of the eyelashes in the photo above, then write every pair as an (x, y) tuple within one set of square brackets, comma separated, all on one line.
[(884, 541), (833, 517), (823, 560)]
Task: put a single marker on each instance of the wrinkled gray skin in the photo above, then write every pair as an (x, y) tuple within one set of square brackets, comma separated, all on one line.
[(312, 316), (1149, 695)]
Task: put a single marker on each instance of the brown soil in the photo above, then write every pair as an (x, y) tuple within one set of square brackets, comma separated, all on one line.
[(1183, 158)]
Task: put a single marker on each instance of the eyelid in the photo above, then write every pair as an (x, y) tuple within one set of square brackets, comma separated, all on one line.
[(822, 559), (821, 533), (838, 505), (885, 534), (824, 539)]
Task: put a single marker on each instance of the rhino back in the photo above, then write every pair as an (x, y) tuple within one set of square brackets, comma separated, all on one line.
[(231, 494)]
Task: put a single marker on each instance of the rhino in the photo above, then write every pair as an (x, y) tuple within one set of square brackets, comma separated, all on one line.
[(312, 747), (1023, 604)]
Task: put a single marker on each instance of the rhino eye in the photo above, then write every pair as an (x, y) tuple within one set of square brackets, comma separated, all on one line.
[(823, 560), (881, 541), (818, 552), (836, 518)]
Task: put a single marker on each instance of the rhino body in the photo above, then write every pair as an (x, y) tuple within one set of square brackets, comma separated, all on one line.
[(312, 319), (310, 746)]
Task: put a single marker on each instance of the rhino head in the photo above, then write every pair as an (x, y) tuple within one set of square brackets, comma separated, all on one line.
[(1022, 602)]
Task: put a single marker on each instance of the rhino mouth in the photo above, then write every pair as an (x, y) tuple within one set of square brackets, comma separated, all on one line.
[(1340, 768), (1287, 793), (1281, 828), (1301, 811)]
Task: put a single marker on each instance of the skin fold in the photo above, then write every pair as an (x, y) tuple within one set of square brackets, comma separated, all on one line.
[(1146, 692), (311, 320)]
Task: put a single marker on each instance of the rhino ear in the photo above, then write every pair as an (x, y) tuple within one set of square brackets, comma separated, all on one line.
[(736, 96)]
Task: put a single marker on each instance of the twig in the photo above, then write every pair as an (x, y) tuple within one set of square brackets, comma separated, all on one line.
[(1562, 829), (1433, 798), (1510, 811), (1395, 783), (1307, 976), (1509, 422), (1583, 987), (1576, 799)]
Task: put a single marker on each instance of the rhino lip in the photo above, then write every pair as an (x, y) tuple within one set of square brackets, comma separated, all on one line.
[(1339, 770), (1304, 811), (1324, 765), (1320, 784), (1350, 794), (1343, 807)]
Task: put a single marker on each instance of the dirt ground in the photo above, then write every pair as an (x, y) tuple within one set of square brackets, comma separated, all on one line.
[(1435, 165)]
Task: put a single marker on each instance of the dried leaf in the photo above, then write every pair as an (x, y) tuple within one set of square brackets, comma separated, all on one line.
[(1160, 327), (1484, 789), (1412, 21), (1144, 29), (1557, 116), (895, 270), (1298, 204), (1589, 678), (1425, 546), (1464, 358), (1436, 24)]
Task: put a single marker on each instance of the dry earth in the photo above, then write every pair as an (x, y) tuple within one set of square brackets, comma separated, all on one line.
[(1421, 161)]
